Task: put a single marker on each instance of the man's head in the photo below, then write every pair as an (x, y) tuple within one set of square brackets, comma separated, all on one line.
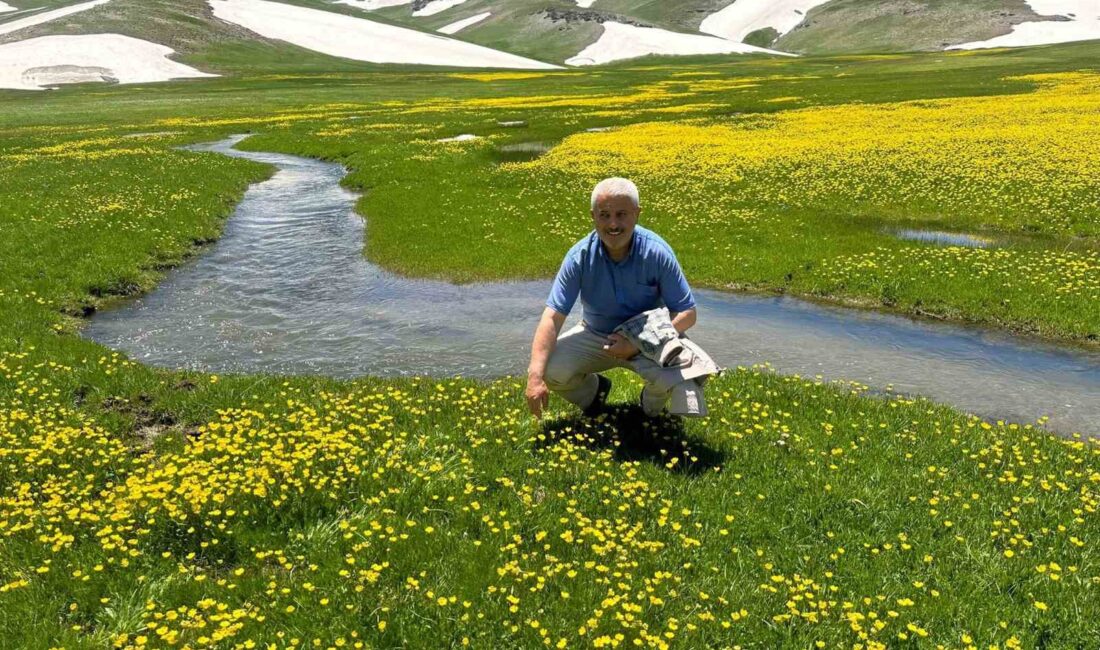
[(615, 210)]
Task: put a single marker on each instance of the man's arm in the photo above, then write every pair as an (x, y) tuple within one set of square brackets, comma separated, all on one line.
[(677, 293), (546, 336), (684, 320)]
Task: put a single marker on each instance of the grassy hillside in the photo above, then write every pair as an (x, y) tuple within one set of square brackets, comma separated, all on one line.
[(554, 30), (33, 5), (901, 25), (677, 16), (557, 29), (146, 509)]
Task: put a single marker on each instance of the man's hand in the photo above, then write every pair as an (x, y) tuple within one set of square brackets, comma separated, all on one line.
[(538, 395), (546, 336), (620, 347)]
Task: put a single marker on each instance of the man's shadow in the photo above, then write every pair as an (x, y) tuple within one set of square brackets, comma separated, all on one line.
[(635, 436)]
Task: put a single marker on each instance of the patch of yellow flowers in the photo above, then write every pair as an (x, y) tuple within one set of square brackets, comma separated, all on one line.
[(344, 512), (1016, 162)]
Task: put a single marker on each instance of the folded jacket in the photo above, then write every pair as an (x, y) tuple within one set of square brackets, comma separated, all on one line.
[(653, 334), (687, 398), (684, 365)]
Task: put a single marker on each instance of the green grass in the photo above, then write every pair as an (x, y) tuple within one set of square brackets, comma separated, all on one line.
[(140, 506), (794, 507), (762, 37), (35, 4)]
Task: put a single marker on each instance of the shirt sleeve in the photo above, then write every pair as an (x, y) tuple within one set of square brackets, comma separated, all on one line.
[(567, 285), (674, 286)]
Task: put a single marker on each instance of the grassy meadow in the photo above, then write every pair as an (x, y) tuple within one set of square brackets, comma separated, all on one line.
[(142, 508)]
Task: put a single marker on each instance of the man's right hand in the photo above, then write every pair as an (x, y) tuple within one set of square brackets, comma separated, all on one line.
[(546, 335), (538, 395)]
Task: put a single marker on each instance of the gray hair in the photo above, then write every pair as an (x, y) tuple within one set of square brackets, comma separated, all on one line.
[(616, 187)]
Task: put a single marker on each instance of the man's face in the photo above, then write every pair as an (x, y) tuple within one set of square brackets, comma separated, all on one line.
[(614, 219)]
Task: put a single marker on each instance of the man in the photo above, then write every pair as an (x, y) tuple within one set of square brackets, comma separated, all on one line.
[(618, 271)]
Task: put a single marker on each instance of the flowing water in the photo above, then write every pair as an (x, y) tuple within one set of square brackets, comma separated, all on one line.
[(286, 289)]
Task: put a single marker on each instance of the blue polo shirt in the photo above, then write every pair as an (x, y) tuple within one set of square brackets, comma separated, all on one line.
[(613, 292)]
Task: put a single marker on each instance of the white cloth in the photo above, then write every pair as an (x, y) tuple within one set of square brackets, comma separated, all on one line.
[(579, 354), (659, 342)]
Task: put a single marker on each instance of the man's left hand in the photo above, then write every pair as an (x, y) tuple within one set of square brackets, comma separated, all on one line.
[(620, 347)]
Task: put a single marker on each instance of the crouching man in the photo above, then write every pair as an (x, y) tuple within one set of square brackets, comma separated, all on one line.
[(636, 307)]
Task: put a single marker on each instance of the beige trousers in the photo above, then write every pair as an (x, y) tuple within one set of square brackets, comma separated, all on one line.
[(579, 355)]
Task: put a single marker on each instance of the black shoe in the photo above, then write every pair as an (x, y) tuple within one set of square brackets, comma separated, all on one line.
[(597, 405)]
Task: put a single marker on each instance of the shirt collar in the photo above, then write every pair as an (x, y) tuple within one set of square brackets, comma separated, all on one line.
[(629, 253)]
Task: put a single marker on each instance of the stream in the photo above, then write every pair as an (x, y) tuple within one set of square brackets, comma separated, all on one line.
[(287, 290)]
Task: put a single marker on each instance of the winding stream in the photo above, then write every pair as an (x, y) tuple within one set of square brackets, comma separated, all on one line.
[(287, 290)]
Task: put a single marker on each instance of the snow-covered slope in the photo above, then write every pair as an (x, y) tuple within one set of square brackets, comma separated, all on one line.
[(47, 61), (371, 5), (47, 16), (437, 6), (357, 38), (460, 25), (1077, 20), (744, 17), (6, 7), (621, 41)]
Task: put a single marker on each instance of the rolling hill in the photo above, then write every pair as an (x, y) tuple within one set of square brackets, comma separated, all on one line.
[(235, 36)]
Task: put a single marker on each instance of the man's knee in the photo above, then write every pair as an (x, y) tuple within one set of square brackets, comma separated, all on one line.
[(560, 374)]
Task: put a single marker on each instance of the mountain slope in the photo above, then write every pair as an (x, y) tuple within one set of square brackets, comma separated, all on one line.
[(850, 26), (556, 31)]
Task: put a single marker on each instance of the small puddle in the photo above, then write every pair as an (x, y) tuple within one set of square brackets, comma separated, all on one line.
[(521, 151), (286, 290), (942, 238)]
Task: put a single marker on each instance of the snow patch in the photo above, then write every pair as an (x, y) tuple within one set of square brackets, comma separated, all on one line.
[(460, 25), (371, 5), (622, 41), (47, 16), (361, 39), (1083, 25), (47, 61), (744, 17), (5, 7), (437, 6), (585, 4), (465, 137)]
